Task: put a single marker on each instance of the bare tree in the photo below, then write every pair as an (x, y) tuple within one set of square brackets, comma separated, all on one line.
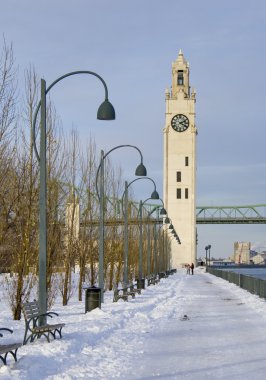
[(114, 232), (71, 236), (7, 129), (89, 214)]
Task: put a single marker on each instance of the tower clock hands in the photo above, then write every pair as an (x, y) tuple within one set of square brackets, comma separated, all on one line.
[(180, 123)]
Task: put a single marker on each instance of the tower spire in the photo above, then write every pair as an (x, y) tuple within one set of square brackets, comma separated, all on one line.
[(180, 76)]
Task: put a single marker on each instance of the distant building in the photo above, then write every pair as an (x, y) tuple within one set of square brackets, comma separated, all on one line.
[(260, 258), (242, 252), (253, 253)]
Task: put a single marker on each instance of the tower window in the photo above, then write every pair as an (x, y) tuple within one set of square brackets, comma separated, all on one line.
[(178, 176), (186, 161), (178, 193), (180, 77), (186, 193)]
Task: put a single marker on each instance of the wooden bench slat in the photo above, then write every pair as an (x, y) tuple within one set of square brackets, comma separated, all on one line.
[(9, 347), (6, 349)]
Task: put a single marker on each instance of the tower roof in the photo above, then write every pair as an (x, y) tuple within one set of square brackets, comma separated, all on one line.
[(180, 58)]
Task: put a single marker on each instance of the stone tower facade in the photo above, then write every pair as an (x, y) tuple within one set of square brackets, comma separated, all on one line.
[(180, 162), (242, 252)]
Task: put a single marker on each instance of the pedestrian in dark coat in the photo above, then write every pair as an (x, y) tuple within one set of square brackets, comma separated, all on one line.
[(192, 268)]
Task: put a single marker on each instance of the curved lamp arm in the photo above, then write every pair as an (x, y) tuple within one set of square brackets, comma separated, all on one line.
[(52, 85), (144, 172), (163, 211), (134, 180)]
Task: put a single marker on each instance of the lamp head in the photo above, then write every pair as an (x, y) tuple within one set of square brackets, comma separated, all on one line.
[(163, 211), (167, 220), (106, 111), (171, 227), (155, 195), (141, 170)]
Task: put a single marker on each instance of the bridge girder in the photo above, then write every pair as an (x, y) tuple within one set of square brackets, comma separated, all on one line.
[(250, 214)]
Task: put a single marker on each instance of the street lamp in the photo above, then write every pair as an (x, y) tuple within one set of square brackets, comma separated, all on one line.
[(157, 263), (105, 112), (209, 254), (163, 213), (208, 248), (206, 262), (154, 195), (161, 254), (175, 235), (140, 171)]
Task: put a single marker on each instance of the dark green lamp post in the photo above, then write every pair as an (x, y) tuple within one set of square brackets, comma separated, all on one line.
[(209, 247), (206, 257), (140, 171), (154, 195), (105, 112), (162, 213)]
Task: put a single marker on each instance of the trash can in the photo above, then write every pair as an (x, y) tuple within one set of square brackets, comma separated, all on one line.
[(92, 298), (141, 283)]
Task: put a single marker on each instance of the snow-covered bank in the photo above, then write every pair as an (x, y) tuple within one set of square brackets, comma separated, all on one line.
[(222, 337)]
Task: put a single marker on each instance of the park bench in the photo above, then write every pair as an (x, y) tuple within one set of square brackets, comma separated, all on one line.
[(152, 279), (33, 317), (133, 288), (124, 292), (6, 349), (162, 275)]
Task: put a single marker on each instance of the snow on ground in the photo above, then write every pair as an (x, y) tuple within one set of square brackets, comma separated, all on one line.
[(185, 327)]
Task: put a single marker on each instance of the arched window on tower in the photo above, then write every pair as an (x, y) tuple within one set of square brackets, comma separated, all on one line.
[(180, 78)]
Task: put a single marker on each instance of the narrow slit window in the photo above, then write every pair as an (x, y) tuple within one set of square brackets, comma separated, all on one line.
[(178, 193), (178, 176), (180, 78), (186, 161), (186, 193)]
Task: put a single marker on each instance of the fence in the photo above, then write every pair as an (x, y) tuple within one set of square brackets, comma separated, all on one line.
[(251, 284)]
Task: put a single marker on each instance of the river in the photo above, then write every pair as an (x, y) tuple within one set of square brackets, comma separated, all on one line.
[(255, 272)]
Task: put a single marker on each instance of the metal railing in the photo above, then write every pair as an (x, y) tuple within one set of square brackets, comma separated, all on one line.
[(251, 284)]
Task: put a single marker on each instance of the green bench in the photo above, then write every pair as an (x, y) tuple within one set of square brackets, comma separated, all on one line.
[(6, 349), (124, 292), (33, 329), (152, 280)]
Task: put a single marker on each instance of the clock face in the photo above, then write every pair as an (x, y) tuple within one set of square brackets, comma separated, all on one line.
[(180, 123)]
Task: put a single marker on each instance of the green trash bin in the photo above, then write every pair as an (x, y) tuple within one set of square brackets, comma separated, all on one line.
[(141, 283), (92, 298)]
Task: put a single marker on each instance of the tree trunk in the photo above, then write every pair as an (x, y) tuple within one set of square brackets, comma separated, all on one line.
[(66, 286)]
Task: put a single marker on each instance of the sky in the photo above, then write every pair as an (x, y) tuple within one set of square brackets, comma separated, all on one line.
[(132, 46), (186, 327)]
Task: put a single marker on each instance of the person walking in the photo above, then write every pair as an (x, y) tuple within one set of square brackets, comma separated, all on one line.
[(192, 268)]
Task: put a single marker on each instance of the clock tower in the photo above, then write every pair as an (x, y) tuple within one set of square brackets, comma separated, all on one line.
[(180, 162)]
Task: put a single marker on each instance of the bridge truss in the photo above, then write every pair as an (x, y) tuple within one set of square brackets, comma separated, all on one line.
[(251, 214)]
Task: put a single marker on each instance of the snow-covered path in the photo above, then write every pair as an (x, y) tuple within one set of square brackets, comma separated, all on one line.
[(221, 337), (186, 327)]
